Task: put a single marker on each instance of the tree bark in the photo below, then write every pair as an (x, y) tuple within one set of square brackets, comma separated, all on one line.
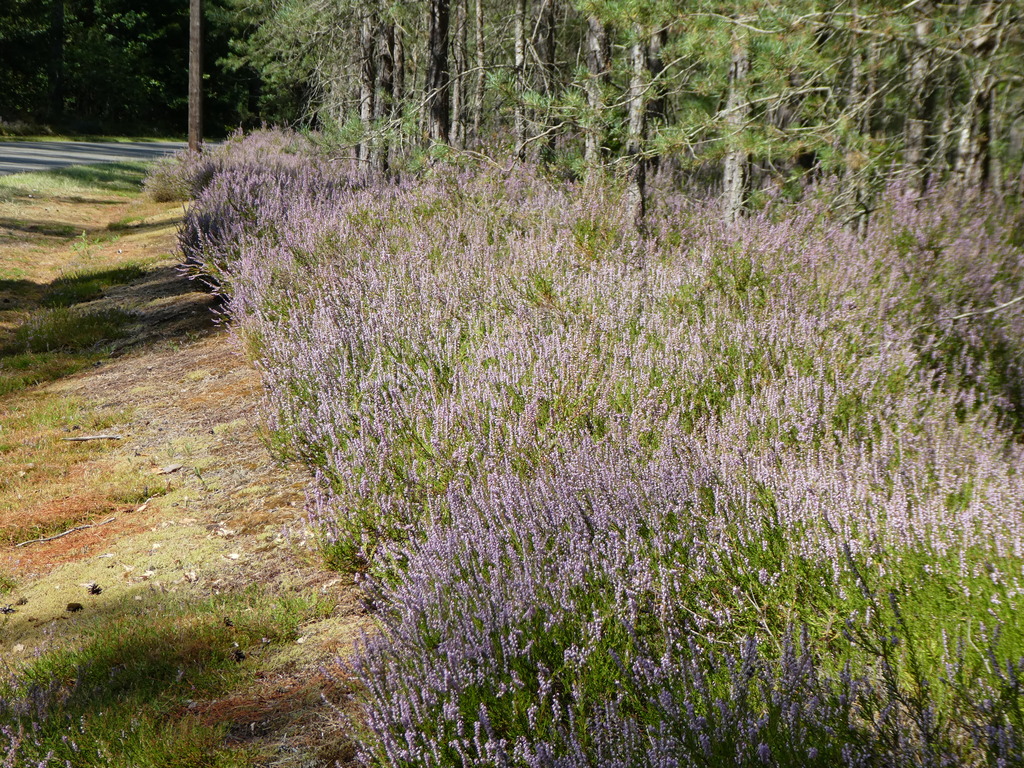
[(460, 57), (367, 83), (478, 96), (547, 44), (656, 109), (438, 77), (656, 65), (56, 60), (973, 167), (519, 115), (636, 174), (737, 110), (384, 102), (598, 56), (398, 57), (919, 120), (195, 75)]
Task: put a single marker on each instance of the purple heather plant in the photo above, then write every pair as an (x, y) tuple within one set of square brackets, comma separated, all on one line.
[(598, 481)]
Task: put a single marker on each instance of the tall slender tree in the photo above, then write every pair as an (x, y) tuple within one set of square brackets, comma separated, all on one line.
[(598, 58), (438, 97), (737, 111), (519, 108), (636, 172), (195, 75)]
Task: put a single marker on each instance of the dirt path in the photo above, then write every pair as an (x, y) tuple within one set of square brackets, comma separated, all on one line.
[(187, 504)]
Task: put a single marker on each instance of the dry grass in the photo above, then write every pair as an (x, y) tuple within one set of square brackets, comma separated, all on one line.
[(226, 520), (48, 483)]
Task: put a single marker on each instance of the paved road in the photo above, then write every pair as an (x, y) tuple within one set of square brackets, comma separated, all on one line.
[(22, 156)]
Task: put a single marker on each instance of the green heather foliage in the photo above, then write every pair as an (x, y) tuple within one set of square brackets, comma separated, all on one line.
[(714, 495)]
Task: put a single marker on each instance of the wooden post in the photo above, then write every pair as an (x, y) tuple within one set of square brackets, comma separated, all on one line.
[(195, 75)]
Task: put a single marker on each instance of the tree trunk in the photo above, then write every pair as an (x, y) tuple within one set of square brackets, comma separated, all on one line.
[(384, 102), (195, 75), (737, 109), (56, 60), (478, 96), (919, 115), (546, 44), (367, 83), (656, 65), (547, 51), (859, 98), (460, 52), (398, 57), (657, 103), (973, 165), (438, 92), (519, 116), (598, 55), (636, 174)]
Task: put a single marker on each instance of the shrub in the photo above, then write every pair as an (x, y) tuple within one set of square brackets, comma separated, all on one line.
[(599, 484)]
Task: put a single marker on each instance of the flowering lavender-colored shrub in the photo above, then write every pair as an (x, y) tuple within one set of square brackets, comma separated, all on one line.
[(184, 175), (599, 483)]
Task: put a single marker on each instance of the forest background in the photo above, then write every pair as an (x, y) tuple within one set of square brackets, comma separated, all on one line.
[(741, 96)]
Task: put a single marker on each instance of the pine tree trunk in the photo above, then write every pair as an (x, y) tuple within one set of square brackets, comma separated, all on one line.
[(546, 45), (972, 165), (195, 76), (859, 99), (598, 56), (636, 175), (438, 92), (384, 102), (519, 116), (919, 120), (367, 83), (656, 103), (56, 60), (398, 57), (736, 112), (547, 53), (398, 86), (460, 56), (478, 96)]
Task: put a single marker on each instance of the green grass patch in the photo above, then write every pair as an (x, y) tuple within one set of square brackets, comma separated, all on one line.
[(86, 285), (69, 328), (22, 370), (59, 413), (123, 695), (128, 222), (7, 584), (123, 179), (47, 228)]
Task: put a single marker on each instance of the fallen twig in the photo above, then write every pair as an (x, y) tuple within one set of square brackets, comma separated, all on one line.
[(83, 438), (70, 530), (988, 311)]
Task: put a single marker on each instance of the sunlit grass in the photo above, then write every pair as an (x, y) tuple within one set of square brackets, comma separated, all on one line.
[(49, 483), (83, 285), (122, 696), (68, 328), (122, 179)]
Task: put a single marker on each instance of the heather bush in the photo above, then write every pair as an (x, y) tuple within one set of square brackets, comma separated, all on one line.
[(184, 175), (716, 495)]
